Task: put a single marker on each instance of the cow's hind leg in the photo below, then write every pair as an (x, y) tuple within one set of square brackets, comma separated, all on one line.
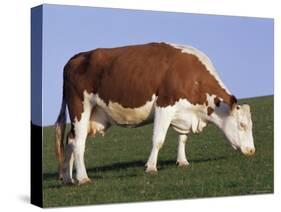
[(69, 158), (80, 112), (181, 158), (162, 120), (81, 132)]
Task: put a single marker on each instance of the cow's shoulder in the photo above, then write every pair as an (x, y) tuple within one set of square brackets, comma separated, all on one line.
[(190, 51)]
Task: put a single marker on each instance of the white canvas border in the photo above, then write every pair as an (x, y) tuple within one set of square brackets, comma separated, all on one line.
[(15, 87)]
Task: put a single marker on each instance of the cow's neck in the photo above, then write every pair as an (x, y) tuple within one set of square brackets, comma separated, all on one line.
[(219, 115)]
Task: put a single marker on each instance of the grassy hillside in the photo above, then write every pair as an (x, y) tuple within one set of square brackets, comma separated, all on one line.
[(115, 163)]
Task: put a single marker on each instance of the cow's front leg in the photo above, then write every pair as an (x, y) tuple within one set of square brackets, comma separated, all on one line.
[(162, 120), (181, 158)]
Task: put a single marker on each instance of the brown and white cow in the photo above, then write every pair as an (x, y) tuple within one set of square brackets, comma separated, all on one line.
[(172, 85)]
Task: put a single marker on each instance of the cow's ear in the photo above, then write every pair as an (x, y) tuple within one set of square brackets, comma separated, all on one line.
[(233, 104), (233, 100)]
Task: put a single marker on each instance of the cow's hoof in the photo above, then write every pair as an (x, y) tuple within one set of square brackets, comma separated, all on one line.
[(68, 182), (61, 173), (84, 181), (151, 170), (60, 177), (183, 163)]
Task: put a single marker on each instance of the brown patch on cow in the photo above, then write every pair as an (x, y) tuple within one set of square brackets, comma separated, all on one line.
[(130, 76), (210, 111), (217, 101)]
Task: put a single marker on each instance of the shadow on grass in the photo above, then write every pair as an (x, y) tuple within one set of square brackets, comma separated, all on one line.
[(132, 164)]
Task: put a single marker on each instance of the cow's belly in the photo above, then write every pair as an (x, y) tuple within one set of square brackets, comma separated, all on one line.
[(117, 114)]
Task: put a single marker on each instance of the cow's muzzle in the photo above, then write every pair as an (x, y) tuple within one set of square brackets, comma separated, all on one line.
[(248, 151)]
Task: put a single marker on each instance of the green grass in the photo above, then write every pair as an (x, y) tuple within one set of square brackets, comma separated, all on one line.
[(116, 162)]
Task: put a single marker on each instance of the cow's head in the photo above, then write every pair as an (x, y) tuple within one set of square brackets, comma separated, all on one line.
[(237, 127)]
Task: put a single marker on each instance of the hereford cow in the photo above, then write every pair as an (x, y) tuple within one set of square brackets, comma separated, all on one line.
[(168, 84)]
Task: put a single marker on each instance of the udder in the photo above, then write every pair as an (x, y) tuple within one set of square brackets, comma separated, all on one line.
[(99, 122)]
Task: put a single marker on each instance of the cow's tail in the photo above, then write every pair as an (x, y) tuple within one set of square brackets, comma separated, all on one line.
[(59, 131)]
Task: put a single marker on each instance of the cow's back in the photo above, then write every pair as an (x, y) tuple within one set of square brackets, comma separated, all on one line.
[(135, 74)]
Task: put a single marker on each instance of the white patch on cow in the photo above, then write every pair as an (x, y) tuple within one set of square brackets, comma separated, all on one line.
[(81, 131), (204, 60), (211, 100), (127, 116), (189, 117)]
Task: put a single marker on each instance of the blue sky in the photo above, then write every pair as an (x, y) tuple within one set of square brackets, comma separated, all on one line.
[(241, 48)]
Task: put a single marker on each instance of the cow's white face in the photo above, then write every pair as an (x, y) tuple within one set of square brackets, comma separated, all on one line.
[(238, 129)]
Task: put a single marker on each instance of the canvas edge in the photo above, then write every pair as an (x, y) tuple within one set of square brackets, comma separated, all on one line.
[(36, 183)]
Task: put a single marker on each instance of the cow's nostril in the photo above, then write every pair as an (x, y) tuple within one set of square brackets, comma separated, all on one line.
[(248, 151), (251, 151)]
